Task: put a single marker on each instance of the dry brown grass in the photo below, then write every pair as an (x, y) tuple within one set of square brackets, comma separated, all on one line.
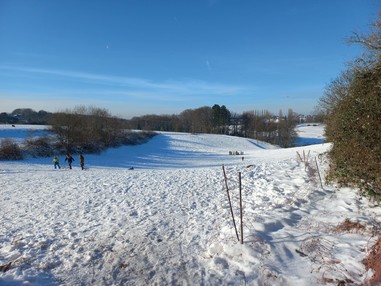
[(373, 261), (350, 226)]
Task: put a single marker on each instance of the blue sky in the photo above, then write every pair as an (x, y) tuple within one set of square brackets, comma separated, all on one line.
[(136, 57)]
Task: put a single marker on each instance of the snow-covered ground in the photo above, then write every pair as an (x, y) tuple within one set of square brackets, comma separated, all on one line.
[(168, 221), (309, 134)]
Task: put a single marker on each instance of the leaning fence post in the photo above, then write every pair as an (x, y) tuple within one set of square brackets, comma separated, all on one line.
[(240, 205), (230, 203), (318, 170)]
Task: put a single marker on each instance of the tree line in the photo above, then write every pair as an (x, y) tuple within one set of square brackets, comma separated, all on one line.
[(261, 125), (79, 130), (92, 129), (352, 106), (25, 116), (200, 120)]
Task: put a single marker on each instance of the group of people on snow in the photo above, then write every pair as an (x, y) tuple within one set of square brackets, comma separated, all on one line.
[(69, 159)]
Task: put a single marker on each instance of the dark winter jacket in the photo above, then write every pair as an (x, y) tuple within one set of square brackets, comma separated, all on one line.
[(69, 159)]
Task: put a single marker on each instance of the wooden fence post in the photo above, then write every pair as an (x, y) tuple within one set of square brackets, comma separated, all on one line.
[(240, 205), (230, 204), (318, 170)]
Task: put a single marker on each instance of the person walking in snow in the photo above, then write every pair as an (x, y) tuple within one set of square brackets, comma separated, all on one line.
[(82, 161), (69, 159), (56, 162)]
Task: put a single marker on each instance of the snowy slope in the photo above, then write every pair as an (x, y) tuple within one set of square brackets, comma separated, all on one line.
[(168, 222), (308, 135)]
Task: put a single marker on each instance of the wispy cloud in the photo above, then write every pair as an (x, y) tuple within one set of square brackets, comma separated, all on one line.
[(209, 66), (132, 85)]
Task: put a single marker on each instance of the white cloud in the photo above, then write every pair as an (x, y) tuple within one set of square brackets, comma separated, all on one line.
[(132, 86), (53, 90)]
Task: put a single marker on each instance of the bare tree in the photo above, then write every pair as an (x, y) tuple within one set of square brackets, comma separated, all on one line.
[(370, 42), (87, 128)]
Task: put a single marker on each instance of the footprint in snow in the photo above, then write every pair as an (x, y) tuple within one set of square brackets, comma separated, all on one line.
[(134, 214), (221, 263)]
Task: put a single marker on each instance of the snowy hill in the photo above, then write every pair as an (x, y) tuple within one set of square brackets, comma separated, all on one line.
[(168, 221)]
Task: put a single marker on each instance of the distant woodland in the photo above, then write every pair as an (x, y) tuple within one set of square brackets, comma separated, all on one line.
[(262, 125), (25, 116)]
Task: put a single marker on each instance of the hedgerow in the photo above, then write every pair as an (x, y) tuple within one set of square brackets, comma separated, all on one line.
[(353, 124)]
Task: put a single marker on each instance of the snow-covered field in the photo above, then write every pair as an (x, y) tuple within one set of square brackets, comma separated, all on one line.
[(168, 221), (310, 134)]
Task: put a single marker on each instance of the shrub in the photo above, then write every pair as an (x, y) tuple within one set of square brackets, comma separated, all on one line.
[(86, 129), (9, 150), (353, 105), (355, 130), (40, 147), (135, 138)]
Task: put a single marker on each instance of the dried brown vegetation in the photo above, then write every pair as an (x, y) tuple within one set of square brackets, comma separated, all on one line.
[(350, 226), (373, 261)]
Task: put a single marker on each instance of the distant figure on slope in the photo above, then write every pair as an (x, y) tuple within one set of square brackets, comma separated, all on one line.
[(82, 161), (69, 159), (56, 162)]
